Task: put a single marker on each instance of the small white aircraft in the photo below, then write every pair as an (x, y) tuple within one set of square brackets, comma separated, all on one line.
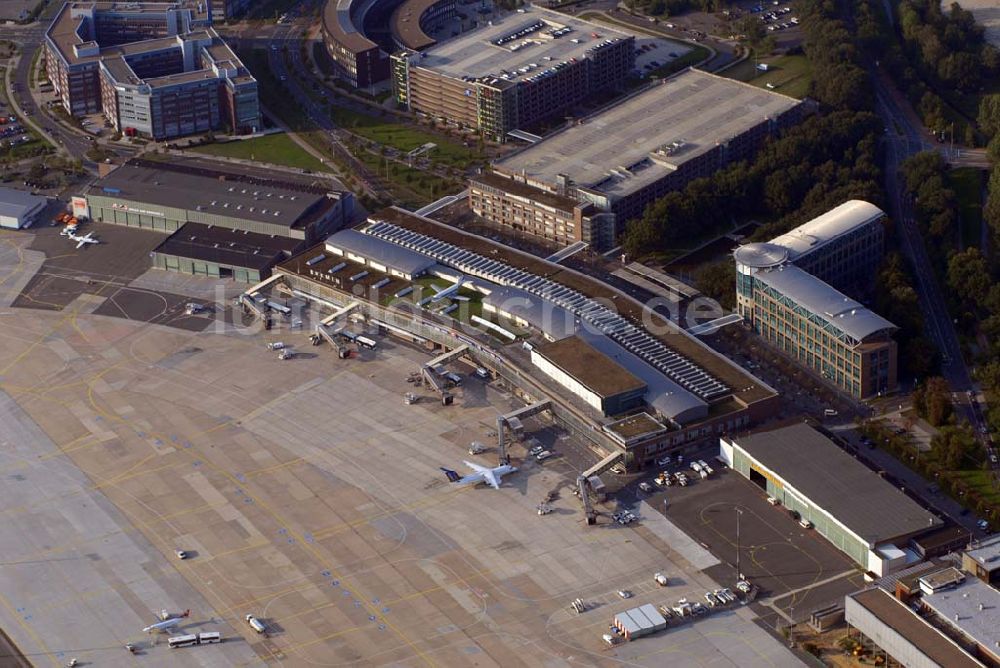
[(82, 241), (441, 293), (167, 623), (491, 476)]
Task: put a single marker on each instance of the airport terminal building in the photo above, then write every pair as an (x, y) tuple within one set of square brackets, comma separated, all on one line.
[(521, 68), (586, 182), (153, 69), (785, 291), (640, 393), (813, 478), (224, 220)]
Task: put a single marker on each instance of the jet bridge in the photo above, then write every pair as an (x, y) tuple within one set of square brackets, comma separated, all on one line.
[(444, 358), (512, 422), (323, 331), (434, 382), (333, 317), (585, 488)]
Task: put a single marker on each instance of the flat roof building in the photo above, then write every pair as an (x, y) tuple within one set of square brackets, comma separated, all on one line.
[(515, 71), (18, 208), (153, 69), (810, 475), (688, 390), (905, 636), (583, 370), (972, 610), (624, 157), (785, 291), (982, 559), (221, 252)]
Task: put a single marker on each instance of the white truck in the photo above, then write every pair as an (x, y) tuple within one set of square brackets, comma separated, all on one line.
[(661, 579), (255, 624)]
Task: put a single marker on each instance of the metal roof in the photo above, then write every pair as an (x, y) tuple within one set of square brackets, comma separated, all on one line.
[(847, 315), (837, 483), (594, 315), (823, 229), (760, 255), (972, 607), (554, 321), (392, 256), (17, 203)]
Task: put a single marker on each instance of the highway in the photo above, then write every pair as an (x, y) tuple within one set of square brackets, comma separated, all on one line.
[(902, 140)]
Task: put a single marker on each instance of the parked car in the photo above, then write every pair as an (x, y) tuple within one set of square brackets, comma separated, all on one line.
[(646, 487), (543, 455)]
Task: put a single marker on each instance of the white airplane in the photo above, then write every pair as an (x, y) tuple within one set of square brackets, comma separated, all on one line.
[(491, 476), (168, 623), (447, 291), (82, 241)]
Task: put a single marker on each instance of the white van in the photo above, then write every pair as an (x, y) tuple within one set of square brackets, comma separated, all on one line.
[(829, 412), (255, 624)]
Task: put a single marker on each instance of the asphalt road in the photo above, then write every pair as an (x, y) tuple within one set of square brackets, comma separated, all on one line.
[(903, 139)]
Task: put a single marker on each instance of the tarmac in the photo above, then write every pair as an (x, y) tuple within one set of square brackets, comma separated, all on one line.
[(305, 492)]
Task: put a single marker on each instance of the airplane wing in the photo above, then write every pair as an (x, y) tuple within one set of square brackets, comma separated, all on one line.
[(476, 467), (81, 242), (491, 479)]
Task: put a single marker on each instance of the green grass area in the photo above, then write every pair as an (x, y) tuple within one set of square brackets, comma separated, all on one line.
[(967, 182), (277, 149), (790, 75), (981, 482)]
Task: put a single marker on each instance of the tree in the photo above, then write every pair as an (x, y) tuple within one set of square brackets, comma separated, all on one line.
[(968, 275), (989, 115), (932, 401), (718, 281)]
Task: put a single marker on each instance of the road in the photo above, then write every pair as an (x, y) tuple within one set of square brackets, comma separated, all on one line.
[(903, 139)]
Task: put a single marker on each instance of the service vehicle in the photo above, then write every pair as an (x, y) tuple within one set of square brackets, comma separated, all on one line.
[(661, 579), (255, 624)]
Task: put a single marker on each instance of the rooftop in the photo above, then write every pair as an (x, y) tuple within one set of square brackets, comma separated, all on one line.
[(247, 193), (392, 256), (635, 426), (647, 136), (227, 246), (847, 315), (743, 385), (477, 54), (823, 229), (591, 368), (17, 203), (405, 24), (837, 483), (337, 21), (986, 553), (973, 607), (560, 202), (931, 642)]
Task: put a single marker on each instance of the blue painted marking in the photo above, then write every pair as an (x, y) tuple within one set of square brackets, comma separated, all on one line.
[(282, 531), (381, 627), (197, 463), (357, 604), (376, 601), (173, 438), (291, 540), (141, 434), (20, 609), (247, 500), (99, 417), (385, 609), (158, 442), (308, 538), (371, 618), (325, 574), (241, 477), (336, 583), (347, 593), (27, 617)]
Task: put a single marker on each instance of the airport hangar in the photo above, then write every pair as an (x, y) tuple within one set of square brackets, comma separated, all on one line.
[(584, 183), (864, 516), (690, 394), (233, 221), (19, 209)]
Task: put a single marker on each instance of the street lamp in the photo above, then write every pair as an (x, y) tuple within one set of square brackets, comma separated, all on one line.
[(739, 572)]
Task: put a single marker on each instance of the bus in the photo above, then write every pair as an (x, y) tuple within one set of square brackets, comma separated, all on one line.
[(209, 638), (365, 342), (183, 641)]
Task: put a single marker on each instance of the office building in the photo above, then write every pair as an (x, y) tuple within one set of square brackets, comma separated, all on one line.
[(156, 70), (586, 182), (811, 321), (519, 69), (224, 10), (807, 473)]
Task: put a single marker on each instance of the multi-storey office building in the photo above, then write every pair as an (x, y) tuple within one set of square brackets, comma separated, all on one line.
[(360, 60), (518, 70), (821, 328), (619, 160), (151, 69), (785, 292), (223, 10)]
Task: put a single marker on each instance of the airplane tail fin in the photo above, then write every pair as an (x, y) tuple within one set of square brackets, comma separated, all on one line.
[(187, 613), (452, 475)]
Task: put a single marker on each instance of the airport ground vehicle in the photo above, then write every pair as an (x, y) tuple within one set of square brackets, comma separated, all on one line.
[(255, 624), (661, 579)]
